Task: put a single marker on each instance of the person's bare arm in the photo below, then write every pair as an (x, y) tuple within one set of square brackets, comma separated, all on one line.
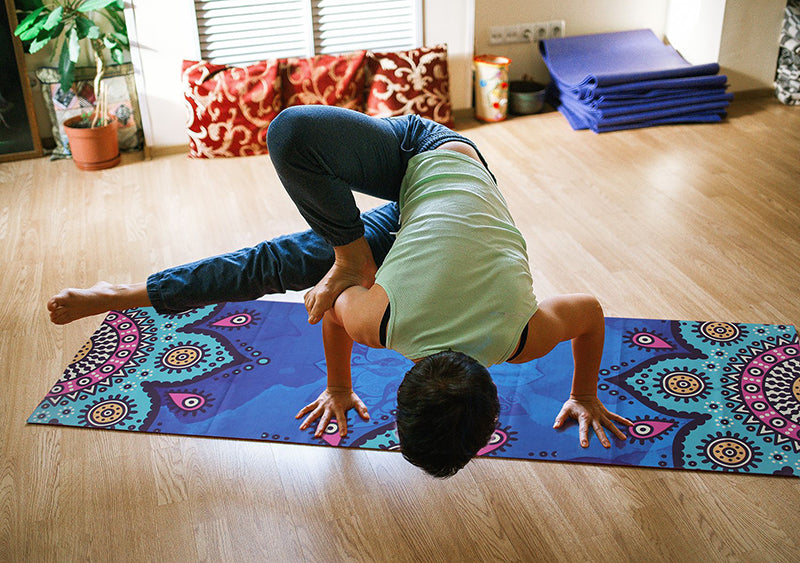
[(578, 318), (351, 318)]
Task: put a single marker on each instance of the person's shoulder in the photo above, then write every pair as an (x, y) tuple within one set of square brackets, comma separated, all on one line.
[(361, 311)]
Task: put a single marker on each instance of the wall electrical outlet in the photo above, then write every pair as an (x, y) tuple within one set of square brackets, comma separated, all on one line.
[(525, 32), (513, 34), (539, 31), (497, 35), (555, 29)]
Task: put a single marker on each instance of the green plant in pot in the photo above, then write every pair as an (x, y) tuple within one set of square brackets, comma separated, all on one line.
[(70, 25)]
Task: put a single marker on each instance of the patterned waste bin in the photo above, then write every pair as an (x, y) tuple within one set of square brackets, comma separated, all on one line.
[(491, 87)]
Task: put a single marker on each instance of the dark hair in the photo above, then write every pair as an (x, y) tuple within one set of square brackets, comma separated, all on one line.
[(447, 409)]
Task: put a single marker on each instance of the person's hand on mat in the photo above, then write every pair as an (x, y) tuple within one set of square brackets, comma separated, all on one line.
[(590, 412), (334, 402)]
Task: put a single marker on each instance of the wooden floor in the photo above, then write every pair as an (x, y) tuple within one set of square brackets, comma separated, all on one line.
[(687, 222)]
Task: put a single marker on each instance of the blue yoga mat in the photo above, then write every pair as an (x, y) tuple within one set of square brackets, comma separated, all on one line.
[(714, 396), (650, 107), (662, 88), (589, 117), (679, 97), (585, 62), (630, 79), (579, 121), (713, 117)]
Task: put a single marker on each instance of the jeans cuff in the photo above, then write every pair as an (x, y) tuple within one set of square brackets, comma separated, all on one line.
[(341, 239), (154, 294)]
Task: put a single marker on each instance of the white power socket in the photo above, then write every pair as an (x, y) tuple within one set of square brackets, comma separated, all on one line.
[(555, 29), (525, 32)]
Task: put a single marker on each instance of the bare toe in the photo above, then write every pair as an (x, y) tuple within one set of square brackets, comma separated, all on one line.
[(316, 308), (73, 304)]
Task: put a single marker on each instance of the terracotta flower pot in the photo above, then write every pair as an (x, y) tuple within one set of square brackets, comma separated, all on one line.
[(93, 148)]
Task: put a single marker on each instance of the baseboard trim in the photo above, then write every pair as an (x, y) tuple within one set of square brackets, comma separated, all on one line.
[(754, 93), (166, 150)]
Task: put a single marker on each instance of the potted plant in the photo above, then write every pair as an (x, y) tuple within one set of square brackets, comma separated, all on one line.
[(69, 25)]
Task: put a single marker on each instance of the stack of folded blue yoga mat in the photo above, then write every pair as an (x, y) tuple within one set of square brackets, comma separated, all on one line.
[(630, 79)]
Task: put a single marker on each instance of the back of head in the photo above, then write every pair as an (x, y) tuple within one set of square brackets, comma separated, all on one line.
[(447, 409)]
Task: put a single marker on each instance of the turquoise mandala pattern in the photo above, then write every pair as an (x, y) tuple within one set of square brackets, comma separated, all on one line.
[(713, 396)]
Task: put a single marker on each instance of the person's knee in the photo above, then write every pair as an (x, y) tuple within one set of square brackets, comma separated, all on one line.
[(286, 131)]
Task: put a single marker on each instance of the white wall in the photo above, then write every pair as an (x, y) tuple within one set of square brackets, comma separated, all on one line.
[(741, 35), (748, 50), (695, 29), (453, 22), (165, 34), (581, 17)]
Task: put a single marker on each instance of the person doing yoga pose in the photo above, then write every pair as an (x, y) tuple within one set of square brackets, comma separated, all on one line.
[(439, 274)]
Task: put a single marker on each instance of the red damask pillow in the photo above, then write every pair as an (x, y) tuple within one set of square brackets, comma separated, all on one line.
[(230, 107), (331, 80), (405, 82)]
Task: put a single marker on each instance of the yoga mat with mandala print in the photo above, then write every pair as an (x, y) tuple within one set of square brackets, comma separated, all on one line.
[(716, 396)]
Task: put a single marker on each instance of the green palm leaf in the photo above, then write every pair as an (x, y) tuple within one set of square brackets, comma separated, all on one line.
[(95, 5)]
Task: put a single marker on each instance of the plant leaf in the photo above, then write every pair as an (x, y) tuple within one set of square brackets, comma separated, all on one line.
[(116, 54), (35, 27), (95, 5), (44, 37), (54, 18), (66, 67), (109, 42), (26, 23), (122, 39), (37, 44), (117, 20), (84, 26), (74, 45)]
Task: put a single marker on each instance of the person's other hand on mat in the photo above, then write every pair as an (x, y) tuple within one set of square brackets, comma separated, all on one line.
[(334, 402), (589, 411)]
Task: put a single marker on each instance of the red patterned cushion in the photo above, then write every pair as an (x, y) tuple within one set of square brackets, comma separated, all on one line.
[(231, 107), (332, 80), (414, 81)]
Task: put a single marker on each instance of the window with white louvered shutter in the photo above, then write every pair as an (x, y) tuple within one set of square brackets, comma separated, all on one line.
[(342, 26), (242, 31)]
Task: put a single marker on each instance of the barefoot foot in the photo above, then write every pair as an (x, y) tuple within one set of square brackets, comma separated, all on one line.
[(354, 265), (72, 304)]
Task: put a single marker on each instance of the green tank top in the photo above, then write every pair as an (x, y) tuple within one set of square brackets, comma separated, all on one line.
[(457, 275)]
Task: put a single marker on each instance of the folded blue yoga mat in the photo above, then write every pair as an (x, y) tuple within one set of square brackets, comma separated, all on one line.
[(660, 87), (617, 108), (632, 115), (713, 117), (630, 79), (695, 96), (585, 62), (580, 121), (714, 396)]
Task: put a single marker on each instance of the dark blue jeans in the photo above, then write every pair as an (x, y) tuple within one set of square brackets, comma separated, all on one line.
[(321, 154)]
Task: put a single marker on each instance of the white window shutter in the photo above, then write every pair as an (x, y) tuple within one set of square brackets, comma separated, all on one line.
[(242, 31), (342, 26), (238, 32)]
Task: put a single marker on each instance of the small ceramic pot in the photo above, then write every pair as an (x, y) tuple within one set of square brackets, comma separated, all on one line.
[(93, 148)]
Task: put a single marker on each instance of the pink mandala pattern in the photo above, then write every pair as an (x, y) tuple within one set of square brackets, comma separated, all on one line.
[(769, 389), (111, 348)]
